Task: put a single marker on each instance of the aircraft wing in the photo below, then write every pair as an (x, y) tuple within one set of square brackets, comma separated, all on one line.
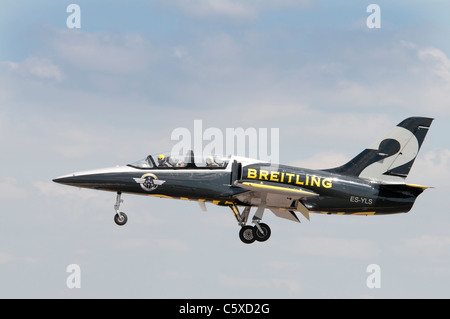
[(275, 188), (282, 190)]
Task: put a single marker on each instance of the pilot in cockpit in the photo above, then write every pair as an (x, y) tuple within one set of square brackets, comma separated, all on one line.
[(210, 162), (162, 161)]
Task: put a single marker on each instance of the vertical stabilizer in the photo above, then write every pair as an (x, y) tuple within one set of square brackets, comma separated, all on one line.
[(390, 159)]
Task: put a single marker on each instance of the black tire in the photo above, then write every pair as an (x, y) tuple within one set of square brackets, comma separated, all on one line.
[(258, 235), (120, 219), (246, 235)]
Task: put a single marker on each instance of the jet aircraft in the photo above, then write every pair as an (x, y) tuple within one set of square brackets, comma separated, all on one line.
[(372, 183)]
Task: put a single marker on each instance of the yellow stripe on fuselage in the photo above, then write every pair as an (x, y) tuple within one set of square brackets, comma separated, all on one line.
[(345, 213), (270, 187)]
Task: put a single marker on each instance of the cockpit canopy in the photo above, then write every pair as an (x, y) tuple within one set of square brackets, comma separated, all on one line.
[(175, 161)]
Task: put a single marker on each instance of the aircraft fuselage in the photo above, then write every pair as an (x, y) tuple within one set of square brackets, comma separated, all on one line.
[(338, 194), (373, 182)]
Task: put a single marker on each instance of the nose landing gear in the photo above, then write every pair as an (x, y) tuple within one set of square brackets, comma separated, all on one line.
[(120, 218)]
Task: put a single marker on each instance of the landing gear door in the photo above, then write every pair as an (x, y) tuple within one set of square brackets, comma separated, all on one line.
[(236, 171)]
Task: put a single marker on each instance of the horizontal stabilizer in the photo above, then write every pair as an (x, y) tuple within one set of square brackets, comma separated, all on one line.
[(412, 189)]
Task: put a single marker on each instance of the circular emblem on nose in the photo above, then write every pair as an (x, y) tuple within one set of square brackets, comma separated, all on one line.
[(149, 182)]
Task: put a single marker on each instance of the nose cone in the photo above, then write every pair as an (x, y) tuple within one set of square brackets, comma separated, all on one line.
[(106, 178), (64, 179), (83, 180), (71, 179)]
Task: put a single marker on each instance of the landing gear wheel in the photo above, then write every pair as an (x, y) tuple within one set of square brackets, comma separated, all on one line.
[(246, 235), (121, 218), (261, 236)]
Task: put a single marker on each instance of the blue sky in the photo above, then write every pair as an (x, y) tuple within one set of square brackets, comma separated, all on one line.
[(114, 90)]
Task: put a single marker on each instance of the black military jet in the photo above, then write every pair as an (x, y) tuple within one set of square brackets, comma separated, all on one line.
[(372, 183)]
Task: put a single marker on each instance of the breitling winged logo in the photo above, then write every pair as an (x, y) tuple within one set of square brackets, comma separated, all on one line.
[(149, 182)]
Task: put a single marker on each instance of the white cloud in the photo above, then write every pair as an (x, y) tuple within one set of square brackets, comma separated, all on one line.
[(216, 7), (5, 257), (235, 8), (180, 52), (41, 68), (11, 189), (400, 75), (44, 69), (77, 203), (52, 190), (439, 63), (78, 143), (110, 53), (322, 160), (432, 168)]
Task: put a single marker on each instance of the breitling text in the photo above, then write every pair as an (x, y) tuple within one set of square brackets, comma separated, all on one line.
[(289, 178)]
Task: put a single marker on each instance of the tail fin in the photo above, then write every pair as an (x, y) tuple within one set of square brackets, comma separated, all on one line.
[(390, 159)]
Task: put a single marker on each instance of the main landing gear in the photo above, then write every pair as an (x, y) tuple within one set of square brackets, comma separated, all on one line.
[(248, 234), (120, 218)]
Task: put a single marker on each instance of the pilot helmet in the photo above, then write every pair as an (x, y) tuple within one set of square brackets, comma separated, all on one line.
[(209, 160)]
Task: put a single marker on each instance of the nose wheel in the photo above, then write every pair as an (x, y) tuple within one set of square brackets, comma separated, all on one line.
[(120, 218)]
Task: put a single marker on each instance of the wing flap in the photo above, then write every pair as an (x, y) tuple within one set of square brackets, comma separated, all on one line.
[(303, 210), (286, 214)]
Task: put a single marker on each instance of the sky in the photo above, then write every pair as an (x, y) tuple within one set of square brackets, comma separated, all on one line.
[(113, 91)]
